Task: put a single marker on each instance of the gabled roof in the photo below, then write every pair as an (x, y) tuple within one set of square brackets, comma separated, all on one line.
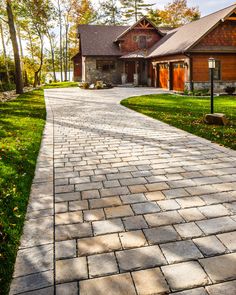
[(136, 24), (182, 39), (99, 40)]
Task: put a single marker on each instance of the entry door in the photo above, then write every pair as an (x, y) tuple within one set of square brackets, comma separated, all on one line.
[(130, 70), (178, 76), (163, 75)]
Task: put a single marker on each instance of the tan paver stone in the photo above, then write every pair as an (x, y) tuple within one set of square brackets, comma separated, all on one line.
[(229, 240), (61, 207), (68, 270), (68, 197), (120, 211), (94, 214), (217, 225), (161, 234), (166, 205), (227, 288), (90, 194), (71, 231), (163, 218), (67, 289), (140, 258), (65, 249), (136, 189), (102, 265), (214, 211), (134, 222), (132, 239), (185, 275), (220, 268), (150, 281), (156, 186), (180, 251), (121, 284), (209, 246), (78, 205), (191, 214), (190, 202), (68, 217), (100, 244), (188, 230), (197, 291), (105, 202), (107, 226), (155, 196)]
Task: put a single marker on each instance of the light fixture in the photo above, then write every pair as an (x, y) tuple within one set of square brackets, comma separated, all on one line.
[(211, 63)]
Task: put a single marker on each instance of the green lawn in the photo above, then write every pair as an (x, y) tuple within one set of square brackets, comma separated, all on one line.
[(187, 113), (61, 85), (21, 125)]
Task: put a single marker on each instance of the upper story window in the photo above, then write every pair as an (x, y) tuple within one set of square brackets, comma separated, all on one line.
[(142, 42)]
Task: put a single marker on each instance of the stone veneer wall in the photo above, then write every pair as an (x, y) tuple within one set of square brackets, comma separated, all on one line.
[(92, 74), (219, 86)]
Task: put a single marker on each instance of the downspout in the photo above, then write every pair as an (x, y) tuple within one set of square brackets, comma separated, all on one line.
[(190, 71)]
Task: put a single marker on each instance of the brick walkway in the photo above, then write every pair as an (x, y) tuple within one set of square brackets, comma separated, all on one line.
[(123, 204)]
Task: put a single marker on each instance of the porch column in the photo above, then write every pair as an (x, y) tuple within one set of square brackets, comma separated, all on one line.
[(136, 78), (169, 75)]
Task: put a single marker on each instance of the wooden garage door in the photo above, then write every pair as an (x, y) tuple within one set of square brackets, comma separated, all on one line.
[(163, 75), (178, 76), (130, 70)]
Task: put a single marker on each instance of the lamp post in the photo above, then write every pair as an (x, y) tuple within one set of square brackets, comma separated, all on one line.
[(212, 66)]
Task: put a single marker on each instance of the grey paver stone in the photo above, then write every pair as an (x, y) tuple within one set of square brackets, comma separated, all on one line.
[(185, 275), (163, 218), (161, 234), (99, 244), (144, 208), (68, 197), (209, 246), (226, 288), (65, 249), (107, 226), (150, 281), (61, 207), (229, 240), (195, 291), (106, 192), (71, 231), (175, 193), (214, 211), (188, 230), (180, 251), (134, 198), (132, 239), (220, 268), (134, 222), (217, 225), (140, 258), (78, 205), (120, 284), (102, 265), (73, 269), (67, 289), (168, 205)]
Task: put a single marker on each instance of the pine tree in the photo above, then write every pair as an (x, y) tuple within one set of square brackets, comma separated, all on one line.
[(110, 13), (134, 9)]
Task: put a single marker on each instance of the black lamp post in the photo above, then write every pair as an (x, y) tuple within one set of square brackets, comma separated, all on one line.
[(212, 66)]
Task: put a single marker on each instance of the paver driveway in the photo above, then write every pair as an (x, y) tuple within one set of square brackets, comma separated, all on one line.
[(140, 207)]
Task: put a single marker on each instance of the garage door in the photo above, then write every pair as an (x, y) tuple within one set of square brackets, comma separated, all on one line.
[(163, 75), (178, 76)]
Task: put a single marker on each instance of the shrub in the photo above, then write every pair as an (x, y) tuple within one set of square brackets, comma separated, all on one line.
[(229, 90), (84, 85)]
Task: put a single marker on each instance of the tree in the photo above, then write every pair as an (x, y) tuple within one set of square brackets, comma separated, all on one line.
[(175, 14), (134, 8), (5, 53), (110, 13), (13, 36)]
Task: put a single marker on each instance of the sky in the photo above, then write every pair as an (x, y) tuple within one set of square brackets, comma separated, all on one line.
[(206, 6)]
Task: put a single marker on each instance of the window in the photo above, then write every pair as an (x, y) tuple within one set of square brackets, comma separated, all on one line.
[(105, 65), (142, 42), (217, 71)]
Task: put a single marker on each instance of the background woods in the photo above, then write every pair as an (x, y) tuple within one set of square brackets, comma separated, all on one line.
[(39, 37)]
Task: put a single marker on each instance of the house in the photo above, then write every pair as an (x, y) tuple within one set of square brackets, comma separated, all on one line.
[(174, 59)]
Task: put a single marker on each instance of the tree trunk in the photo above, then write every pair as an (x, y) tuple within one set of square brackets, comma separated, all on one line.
[(5, 54), (66, 51), (37, 73), (52, 55), (60, 31), (12, 30)]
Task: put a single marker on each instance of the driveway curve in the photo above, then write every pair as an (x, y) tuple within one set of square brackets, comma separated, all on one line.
[(125, 204)]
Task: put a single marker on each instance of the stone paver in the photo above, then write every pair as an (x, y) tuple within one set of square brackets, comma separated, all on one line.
[(140, 205)]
